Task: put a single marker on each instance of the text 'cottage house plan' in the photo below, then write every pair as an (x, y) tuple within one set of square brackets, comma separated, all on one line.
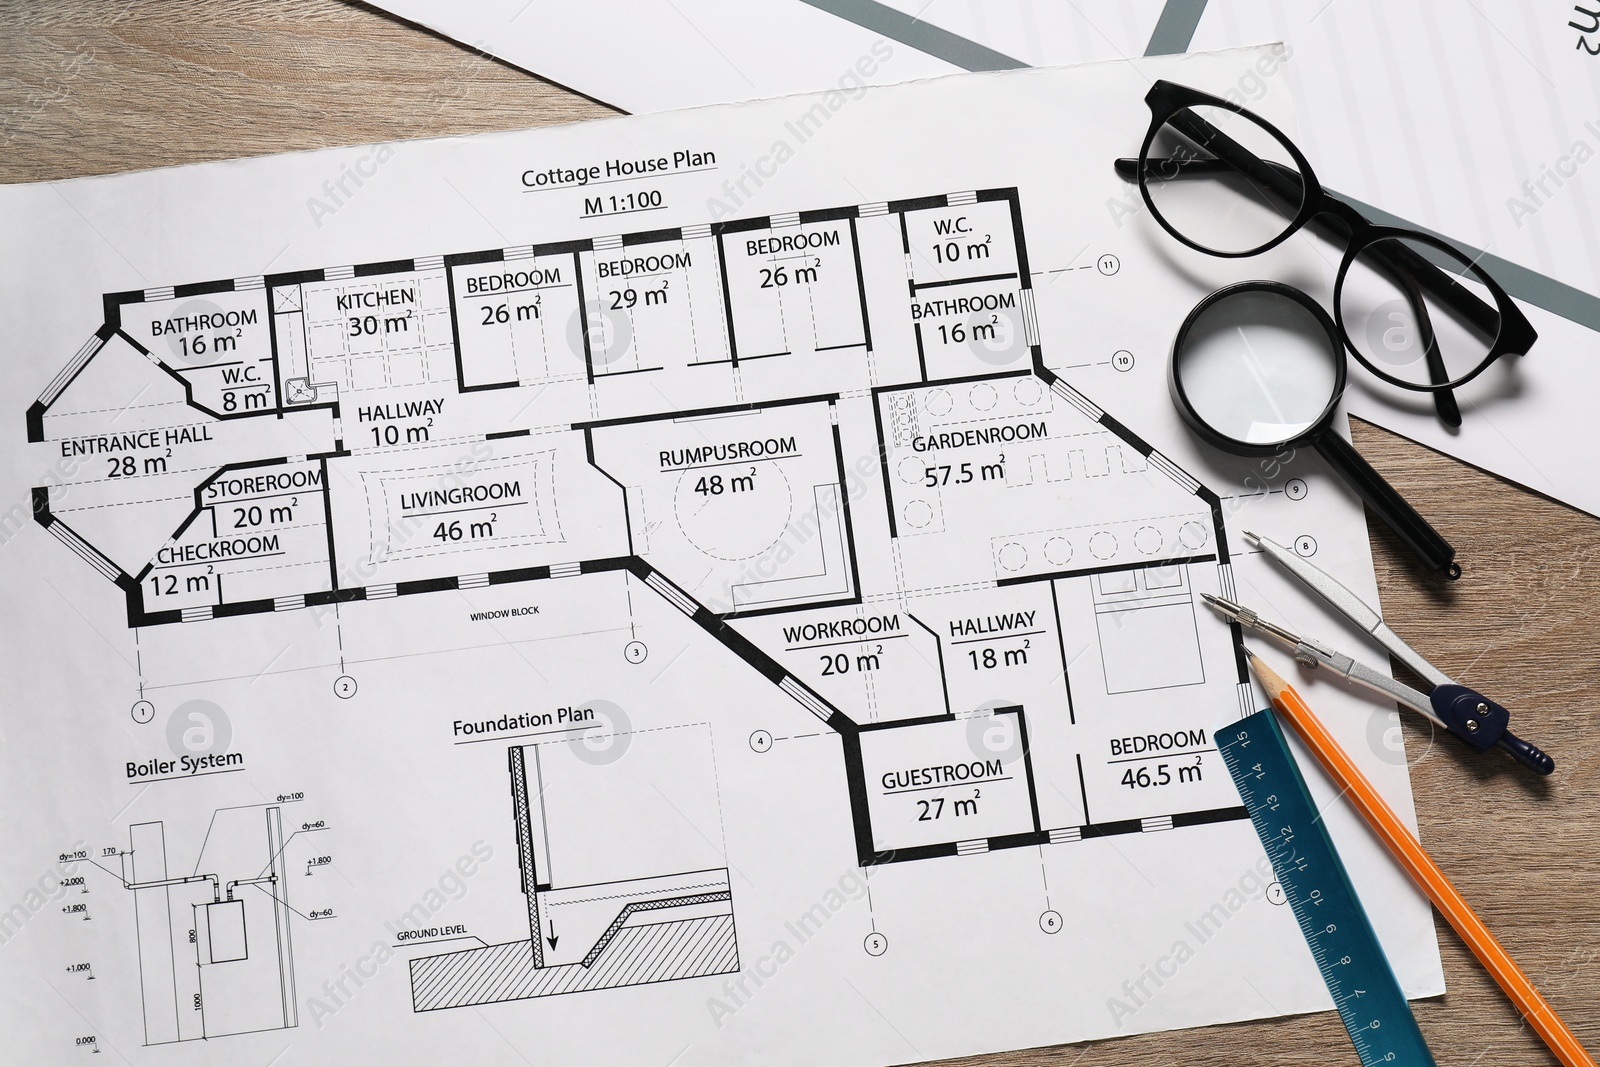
[(828, 438)]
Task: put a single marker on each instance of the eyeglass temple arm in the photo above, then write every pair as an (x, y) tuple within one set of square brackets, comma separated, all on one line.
[(1444, 400), (1285, 184)]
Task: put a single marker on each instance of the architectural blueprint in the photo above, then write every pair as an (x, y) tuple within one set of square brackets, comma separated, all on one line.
[(707, 588)]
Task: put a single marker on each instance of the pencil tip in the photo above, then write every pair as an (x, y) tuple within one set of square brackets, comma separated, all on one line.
[(1253, 538), (1246, 650)]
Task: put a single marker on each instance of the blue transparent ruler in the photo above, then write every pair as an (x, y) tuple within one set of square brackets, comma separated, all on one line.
[(1347, 952)]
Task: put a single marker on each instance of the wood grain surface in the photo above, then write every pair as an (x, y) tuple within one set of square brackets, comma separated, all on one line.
[(95, 86)]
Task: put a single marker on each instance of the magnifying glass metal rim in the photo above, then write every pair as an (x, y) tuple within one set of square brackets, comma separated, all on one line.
[(1210, 434), (1374, 491)]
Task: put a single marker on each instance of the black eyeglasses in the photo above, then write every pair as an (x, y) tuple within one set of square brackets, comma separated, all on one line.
[(1414, 310)]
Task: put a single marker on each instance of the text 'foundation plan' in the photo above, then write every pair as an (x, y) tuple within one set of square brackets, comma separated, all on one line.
[(712, 588)]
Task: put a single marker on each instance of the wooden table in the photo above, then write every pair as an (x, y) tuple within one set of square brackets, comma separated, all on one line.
[(93, 86)]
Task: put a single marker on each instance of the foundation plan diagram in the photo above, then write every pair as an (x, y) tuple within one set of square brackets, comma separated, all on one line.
[(767, 633)]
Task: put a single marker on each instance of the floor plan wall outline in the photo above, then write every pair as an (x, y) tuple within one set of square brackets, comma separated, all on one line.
[(540, 412)]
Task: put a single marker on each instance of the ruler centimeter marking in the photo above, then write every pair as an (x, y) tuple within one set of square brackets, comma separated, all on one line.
[(1336, 927)]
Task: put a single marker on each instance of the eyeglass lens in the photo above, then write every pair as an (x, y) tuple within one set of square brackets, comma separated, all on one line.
[(1414, 332), (1217, 196)]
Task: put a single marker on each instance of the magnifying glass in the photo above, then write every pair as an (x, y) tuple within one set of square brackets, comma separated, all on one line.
[(1258, 368)]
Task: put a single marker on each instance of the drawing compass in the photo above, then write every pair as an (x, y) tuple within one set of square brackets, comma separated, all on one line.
[(1465, 712)]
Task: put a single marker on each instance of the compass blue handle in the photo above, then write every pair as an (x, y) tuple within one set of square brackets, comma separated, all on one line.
[(1470, 715), (1527, 753), (1481, 723)]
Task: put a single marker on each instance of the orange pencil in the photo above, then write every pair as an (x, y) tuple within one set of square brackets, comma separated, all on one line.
[(1420, 866)]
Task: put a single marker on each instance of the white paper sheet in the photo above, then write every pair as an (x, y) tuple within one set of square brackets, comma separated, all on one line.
[(659, 57), (655, 57), (429, 592), (1480, 125)]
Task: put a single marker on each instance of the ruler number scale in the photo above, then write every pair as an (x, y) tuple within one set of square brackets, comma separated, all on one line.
[(1336, 928)]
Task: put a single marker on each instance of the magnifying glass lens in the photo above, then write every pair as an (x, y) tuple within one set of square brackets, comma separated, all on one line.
[(1258, 367)]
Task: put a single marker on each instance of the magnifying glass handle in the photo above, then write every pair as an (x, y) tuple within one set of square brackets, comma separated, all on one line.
[(1389, 505)]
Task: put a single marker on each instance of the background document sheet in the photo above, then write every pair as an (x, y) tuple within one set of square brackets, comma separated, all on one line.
[(1481, 124)]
